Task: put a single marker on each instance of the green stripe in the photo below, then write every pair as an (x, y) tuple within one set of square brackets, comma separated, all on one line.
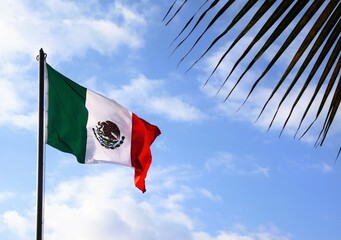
[(67, 115)]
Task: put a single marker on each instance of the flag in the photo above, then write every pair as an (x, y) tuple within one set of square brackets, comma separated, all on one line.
[(96, 129)]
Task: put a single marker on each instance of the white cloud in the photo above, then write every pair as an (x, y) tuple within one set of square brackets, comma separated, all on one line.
[(64, 29), (14, 110), (322, 167), (240, 236), (175, 109), (326, 168), (152, 97), (236, 165), (106, 204), (208, 194), (250, 111), (5, 196), (19, 224), (9, 99), (130, 17), (317, 167)]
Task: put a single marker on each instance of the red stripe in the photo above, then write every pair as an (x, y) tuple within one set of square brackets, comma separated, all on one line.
[(143, 135)]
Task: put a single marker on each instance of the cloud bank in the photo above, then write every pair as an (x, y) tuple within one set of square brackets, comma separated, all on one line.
[(67, 29), (105, 206)]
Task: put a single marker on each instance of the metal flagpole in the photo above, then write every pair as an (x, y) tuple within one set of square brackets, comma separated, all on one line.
[(40, 168)]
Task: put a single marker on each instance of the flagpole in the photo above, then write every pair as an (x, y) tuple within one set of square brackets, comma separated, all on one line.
[(40, 168)]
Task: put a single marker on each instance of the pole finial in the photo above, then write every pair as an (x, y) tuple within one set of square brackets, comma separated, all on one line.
[(41, 53)]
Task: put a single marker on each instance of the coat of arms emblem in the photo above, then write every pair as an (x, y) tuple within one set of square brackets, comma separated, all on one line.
[(108, 134)]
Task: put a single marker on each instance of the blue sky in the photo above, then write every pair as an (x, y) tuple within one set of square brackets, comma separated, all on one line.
[(216, 175)]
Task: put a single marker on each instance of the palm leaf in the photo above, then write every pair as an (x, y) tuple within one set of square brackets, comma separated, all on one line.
[(294, 33), (321, 46), (261, 11), (329, 87), (325, 31), (189, 21), (169, 10), (215, 18), (196, 24), (177, 11), (308, 39), (294, 11), (269, 23), (318, 63)]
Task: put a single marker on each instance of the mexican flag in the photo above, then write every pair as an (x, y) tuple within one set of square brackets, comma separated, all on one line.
[(96, 129)]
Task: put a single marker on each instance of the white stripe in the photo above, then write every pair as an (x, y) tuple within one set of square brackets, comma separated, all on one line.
[(102, 109)]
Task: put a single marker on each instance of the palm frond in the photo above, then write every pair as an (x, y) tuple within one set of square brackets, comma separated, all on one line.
[(177, 11), (319, 51), (189, 21), (306, 42), (215, 18)]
